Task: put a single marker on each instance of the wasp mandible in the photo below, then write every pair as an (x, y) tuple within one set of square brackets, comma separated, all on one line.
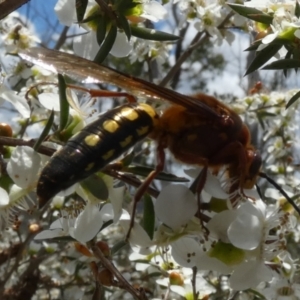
[(198, 130)]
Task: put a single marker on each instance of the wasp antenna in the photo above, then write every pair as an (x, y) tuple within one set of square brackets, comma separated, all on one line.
[(280, 189), (259, 191)]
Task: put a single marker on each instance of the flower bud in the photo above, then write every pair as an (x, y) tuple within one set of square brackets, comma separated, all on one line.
[(176, 278)]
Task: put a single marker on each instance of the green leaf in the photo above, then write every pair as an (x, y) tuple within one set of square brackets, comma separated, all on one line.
[(106, 45), (123, 6), (262, 57), (45, 132), (81, 6), (125, 25), (288, 55), (251, 13), (101, 29), (264, 114), (144, 171), (118, 246), (277, 41), (96, 186), (148, 216), (152, 34), (218, 205), (297, 9), (261, 18), (253, 46), (6, 182), (282, 64), (63, 101), (90, 18), (127, 160), (261, 122), (293, 99), (257, 294), (106, 224)]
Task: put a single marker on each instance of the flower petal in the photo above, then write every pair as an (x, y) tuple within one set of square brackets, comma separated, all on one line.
[(249, 275), (23, 166), (175, 206), (4, 199), (88, 223), (245, 232)]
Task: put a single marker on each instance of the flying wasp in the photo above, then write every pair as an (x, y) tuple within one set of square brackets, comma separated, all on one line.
[(198, 130)]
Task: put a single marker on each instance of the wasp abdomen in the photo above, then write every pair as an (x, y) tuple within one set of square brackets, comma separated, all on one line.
[(94, 147)]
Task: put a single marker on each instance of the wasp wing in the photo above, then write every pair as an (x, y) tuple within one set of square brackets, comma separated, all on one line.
[(88, 71)]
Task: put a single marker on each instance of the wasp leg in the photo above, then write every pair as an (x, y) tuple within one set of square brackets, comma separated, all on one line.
[(104, 93), (201, 180), (238, 170), (143, 188), (92, 92)]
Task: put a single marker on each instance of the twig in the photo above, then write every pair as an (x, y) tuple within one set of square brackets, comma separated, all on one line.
[(193, 280), (17, 260), (8, 6), (6, 141), (62, 38), (110, 267), (196, 42)]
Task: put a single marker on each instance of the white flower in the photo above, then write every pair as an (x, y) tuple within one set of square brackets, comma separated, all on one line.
[(280, 289), (89, 222), (138, 236), (86, 45), (175, 206), (187, 252), (59, 228), (83, 228), (15, 35), (18, 102), (24, 166), (153, 11)]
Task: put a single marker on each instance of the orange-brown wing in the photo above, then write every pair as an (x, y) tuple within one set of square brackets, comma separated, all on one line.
[(88, 71)]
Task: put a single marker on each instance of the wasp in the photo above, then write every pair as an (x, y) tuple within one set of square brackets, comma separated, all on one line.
[(198, 130)]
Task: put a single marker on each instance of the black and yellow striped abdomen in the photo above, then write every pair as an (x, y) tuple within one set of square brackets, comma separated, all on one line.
[(94, 147)]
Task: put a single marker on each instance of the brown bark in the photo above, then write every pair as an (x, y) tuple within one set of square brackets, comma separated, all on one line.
[(8, 6)]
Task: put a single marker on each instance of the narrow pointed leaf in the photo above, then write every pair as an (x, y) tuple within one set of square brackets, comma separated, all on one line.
[(101, 29), (152, 34), (125, 25), (261, 18), (252, 13), (127, 160), (297, 9), (81, 6), (148, 216), (45, 132), (282, 64), (125, 5), (261, 122), (287, 56), (253, 46), (90, 18), (118, 246), (63, 101), (96, 186), (106, 45), (262, 57), (293, 99), (277, 41)]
